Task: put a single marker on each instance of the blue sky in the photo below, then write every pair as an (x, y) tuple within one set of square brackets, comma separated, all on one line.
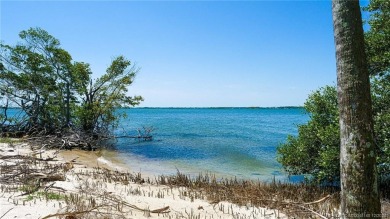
[(194, 53)]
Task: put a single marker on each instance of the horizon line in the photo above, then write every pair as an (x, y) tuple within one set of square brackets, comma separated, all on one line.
[(214, 107)]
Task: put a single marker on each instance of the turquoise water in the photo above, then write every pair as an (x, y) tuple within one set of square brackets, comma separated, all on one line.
[(228, 142)]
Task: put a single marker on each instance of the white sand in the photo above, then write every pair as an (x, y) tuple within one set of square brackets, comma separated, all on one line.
[(83, 180)]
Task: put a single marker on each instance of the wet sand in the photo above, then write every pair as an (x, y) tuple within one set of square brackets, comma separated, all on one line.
[(100, 158)]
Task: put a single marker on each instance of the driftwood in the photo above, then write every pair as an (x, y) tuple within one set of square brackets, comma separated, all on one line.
[(161, 210), (79, 140), (6, 212), (144, 134), (63, 142), (11, 134), (24, 169), (37, 174), (71, 213), (156, 211), (69, 139)]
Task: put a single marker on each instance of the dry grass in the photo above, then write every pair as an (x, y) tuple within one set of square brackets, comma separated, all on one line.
[(30, 179), (34, 177), (295, 200), (300, 200)]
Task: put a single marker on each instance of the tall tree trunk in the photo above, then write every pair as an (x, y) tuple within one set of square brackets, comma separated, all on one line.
[(359, 190), (67, 104)]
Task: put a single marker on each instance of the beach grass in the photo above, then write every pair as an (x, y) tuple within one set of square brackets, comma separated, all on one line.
[(9, 140), (32, 180)]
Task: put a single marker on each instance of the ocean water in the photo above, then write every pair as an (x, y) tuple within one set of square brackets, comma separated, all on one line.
[(227, 142)]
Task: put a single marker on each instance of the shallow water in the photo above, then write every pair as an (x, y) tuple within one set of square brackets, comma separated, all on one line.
[(228, 142)]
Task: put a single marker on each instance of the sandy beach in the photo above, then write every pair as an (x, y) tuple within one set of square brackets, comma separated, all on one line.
[(80, 184)]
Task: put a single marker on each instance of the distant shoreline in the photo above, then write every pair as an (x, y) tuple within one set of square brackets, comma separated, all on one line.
[(206, 107), (234, 107)]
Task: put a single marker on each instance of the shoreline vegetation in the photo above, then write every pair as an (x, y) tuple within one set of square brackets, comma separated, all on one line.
[(223, 107), (57, 95), (79, 184), (37, 183), (64, 108)]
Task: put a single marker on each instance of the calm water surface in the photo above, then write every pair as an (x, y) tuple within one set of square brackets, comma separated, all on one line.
[(229, 142)]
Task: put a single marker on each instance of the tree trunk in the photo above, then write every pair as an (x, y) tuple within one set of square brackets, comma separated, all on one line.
[(359, 189), (67, 104)]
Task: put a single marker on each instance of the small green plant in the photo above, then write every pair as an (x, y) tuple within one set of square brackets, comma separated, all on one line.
[(53, 196), (9, 140), (27, 188), (46, 195), (30, 197)]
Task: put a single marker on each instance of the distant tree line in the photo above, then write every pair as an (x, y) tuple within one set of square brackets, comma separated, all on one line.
[(56, 94), (315, 151)]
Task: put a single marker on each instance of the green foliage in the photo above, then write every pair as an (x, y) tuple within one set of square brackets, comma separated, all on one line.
[(377, 38), (33, 76), (101, 97), (313, 150), (9, 140), (57, 93), (381, 110), (46, 195), (316, 149)]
